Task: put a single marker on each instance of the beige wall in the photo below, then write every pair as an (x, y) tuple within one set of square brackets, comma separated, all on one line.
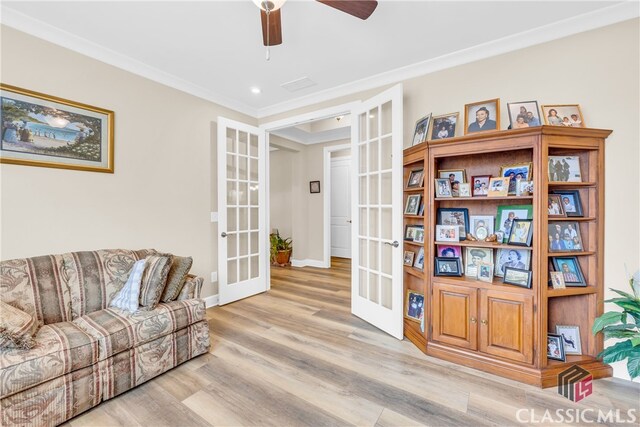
[(161, 192), (281, 199)]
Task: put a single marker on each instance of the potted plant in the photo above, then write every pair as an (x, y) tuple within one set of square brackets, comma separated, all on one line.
[(623, 325), (280, 249)]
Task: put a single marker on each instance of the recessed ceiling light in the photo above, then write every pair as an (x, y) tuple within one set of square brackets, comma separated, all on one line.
[(255, 90)]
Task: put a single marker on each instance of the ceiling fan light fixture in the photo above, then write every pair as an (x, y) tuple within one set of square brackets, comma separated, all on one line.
[(269, 5)]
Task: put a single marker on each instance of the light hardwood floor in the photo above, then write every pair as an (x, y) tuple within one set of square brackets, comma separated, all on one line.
[(296, 356)]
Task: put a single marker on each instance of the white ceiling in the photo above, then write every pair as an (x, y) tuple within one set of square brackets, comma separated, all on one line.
[(213, 49)]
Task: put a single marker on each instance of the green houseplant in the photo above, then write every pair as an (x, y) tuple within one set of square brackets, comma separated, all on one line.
[(280, 249), (623, 325)]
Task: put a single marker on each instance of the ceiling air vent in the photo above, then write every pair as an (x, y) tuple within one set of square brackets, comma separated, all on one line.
[(299, 84)]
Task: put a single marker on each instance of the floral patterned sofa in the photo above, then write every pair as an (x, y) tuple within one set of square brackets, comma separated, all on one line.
[(85, 352)]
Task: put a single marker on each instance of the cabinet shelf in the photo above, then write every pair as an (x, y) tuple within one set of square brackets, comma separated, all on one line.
[(483, 244), (574, 218), (413, 243), (557, 184), (414, 216), (414, 272), (470, 282), (414, 190), (571, 359), (575, 253), (567, 292), (480, 198)]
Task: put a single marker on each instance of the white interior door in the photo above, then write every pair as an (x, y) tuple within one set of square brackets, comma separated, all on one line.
[(242, 239), (376, 150), (341, 207)]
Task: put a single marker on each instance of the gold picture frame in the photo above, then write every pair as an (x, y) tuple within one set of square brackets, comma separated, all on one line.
[(563, 111), (48, 131), (492, 122)]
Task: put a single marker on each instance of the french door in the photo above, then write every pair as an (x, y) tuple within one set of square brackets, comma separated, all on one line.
[(242, 242), (376, 150)]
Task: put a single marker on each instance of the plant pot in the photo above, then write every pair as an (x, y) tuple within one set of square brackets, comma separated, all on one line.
[(282, 257)]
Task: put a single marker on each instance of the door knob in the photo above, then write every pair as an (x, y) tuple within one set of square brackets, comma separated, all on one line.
[(395, 243), (484, 322), (349, 221), (473, 320), (223, 234)]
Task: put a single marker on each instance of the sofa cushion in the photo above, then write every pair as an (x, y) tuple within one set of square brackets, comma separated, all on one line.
[(117, 330), (154, 280), (180, 267), (127, 298), (60, 348), (17, 328)]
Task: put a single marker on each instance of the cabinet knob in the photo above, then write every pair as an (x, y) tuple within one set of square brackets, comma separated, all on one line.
[(473, 320), (484, 322)]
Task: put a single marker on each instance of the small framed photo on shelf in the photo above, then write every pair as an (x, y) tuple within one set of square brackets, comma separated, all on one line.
[(557, 280), (506, 215), (524, 188), (453, 175), (464, 189), (482, 116), (410, 232), (443, 187), (444, 126), (413, 204), (447, 233), (474, 257), (414, 305), (447, 251), (408, 258), (485, 272), (554, 207), (555, 347), (314, 187), (516, 174), (454, 216), (422, 130), (571, 338), (564, 236), (421, 210), (563, 115), (517, 277), (512, 258), (570, 269), (571, 203), (446, 266), (419, 261), (481, 226), (564, 169), (416, 178), (498, 187), (419, 237), (523, 114), (521, 232), (480, 185)]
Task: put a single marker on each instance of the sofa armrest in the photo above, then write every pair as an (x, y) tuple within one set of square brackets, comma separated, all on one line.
[(192, 288)]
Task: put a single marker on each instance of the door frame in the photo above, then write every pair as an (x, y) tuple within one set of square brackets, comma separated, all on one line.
[(327, 199)]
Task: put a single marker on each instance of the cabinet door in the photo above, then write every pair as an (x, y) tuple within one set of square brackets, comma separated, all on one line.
[(506, 325), (455, 312)]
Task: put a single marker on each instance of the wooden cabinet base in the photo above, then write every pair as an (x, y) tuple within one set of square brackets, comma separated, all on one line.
[(413, 334), (527, 374)]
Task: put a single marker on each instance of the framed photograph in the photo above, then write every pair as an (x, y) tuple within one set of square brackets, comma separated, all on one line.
[(474, 257), (571, 338), (564, 169), (447, 233), (521, 232), (482, 116), (524, 188), (447, 251), (443, 187), (563, 115), (516, 174), (480, 185), (413, 204), (506, 215), (557, 280), (524, 114), (454, 216), (564, 236), (571, 203), (570, 269), (314, 186), (464, 189), (453, 175), (446, 266), (554, 207), (498, 187), (421, 211), (414, 305), (444, 126), (416, 178), (47, 131), (512, 258), (555, 347), (410, 232), (422, 130), (408, 258), (419, 261), (481, 226), (419, 237), (499, 236), (517, 277), (485, 272)]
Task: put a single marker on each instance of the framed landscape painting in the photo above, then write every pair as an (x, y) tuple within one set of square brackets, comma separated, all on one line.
[(43, 130)]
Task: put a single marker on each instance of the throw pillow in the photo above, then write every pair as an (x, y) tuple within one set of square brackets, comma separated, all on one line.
[(180, 267), (17, 328), (154, 280), (127, 298)]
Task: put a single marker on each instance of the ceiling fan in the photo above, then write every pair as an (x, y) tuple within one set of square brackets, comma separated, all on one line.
[(272, 25)]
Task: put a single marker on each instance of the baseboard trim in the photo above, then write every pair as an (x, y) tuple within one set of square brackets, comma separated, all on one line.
[(309, 263), (212, 301)]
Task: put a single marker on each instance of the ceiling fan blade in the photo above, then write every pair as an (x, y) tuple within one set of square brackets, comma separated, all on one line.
[(359, 8), (275, 28)]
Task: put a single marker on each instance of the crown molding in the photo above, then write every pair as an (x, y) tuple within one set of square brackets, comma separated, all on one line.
[(588, 21), (48, 32)]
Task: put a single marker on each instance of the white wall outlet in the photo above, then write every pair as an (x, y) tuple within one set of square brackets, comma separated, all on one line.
[(214, 277)]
